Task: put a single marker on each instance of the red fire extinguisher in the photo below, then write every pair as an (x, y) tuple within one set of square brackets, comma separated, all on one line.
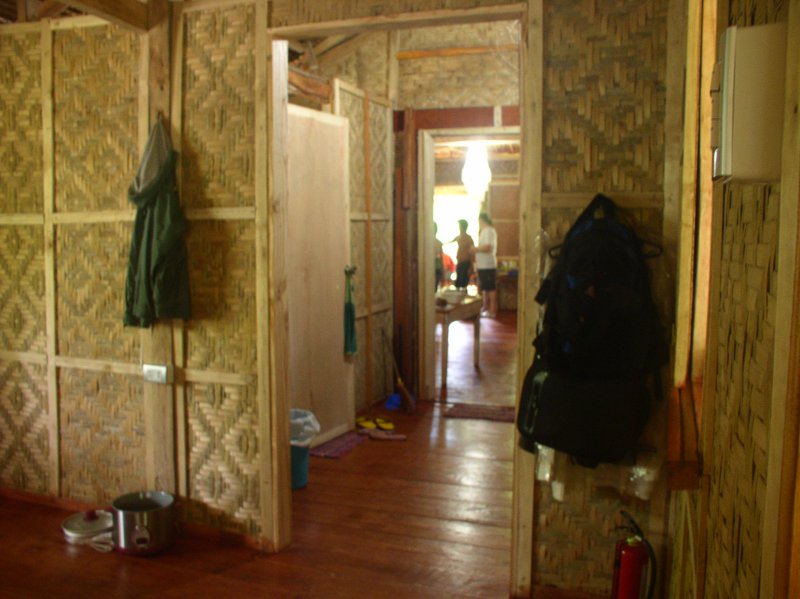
[(631, 558)]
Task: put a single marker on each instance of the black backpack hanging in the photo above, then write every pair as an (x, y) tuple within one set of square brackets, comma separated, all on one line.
[(587, 392)]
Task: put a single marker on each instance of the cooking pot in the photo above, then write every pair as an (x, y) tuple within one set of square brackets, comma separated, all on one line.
[(144, 522)]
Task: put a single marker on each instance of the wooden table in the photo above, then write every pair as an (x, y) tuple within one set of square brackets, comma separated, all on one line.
[(468, 309)]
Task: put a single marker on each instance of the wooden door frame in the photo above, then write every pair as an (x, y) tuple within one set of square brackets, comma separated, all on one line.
[(426, 364), (530, 14)]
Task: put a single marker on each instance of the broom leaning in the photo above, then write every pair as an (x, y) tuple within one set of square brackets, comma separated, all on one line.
[(408, 401)]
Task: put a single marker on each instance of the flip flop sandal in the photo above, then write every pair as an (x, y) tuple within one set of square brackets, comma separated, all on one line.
[(385, 435), (364, 422), (384, 424)]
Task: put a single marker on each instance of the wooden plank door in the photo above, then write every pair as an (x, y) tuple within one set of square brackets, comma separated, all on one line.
[(318, 249)]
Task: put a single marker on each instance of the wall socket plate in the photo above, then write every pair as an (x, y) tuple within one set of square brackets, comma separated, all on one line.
[(157, 373)]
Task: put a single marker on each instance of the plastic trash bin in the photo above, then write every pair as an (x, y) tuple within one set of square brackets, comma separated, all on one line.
[(304, 426)]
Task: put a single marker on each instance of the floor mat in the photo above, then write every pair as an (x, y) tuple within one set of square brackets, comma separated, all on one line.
[(481, 412), (338, 447)]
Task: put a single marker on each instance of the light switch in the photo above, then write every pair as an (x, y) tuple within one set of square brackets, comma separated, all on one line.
[(157, 373)]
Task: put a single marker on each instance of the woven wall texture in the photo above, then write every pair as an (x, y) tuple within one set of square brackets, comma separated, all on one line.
[(366, 66), (24, 449), (604, 84), (102, 435), (489, 79), (95, 137), (604, 95), (293, 12), (221, 334), (22, 310), (91, 266), (224, 457), (381, 251), (744, 383), (96, 102), (218, 147), (21, 123), (218, 170)]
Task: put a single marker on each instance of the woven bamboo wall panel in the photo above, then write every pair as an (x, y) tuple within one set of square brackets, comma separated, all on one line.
[(382, 263), (459, 81), (744, 384), (218, 146), (20, 123), (604, 95), (358, 231), (295, 12), (580, 531), (365, 67), (382, 373), (381, 361), (91, 266), (352, 108), (24, 449), (96, 86), (222, 333), (647, 222), (224, 456), (473, 35), (360, 366), (22, 308), (490, 79), (102, 435), (381, 159)]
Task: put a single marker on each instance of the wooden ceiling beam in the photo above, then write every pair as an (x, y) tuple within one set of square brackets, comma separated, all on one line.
[(450, 52), (125, 13), (51, 8)]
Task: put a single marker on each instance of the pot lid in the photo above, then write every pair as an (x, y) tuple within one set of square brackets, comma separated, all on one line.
[(85, 525)]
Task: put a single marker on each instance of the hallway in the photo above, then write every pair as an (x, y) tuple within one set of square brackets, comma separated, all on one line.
[(425, 517)]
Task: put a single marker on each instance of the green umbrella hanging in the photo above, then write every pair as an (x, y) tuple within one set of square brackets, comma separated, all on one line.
[(350, 342)]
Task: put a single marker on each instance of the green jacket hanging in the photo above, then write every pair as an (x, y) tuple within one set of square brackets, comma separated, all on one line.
[(157, 284)]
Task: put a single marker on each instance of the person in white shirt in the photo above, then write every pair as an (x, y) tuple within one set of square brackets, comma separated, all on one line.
[(486, 263)]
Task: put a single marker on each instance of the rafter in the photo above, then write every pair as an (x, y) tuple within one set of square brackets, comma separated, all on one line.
[(51, 8), (126, 13)]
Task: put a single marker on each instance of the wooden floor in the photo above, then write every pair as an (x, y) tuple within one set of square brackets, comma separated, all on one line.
[(425, 517)]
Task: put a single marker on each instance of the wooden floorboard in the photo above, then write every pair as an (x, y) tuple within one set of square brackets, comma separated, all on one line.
[(426, 517)]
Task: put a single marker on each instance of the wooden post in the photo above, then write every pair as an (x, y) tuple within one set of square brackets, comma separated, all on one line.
[(272, 97), (368, 255), (523, 524), (157, 344), (48, 171)]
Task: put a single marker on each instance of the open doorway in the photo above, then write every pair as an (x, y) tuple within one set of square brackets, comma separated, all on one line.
[(412, 219), (449, 209)]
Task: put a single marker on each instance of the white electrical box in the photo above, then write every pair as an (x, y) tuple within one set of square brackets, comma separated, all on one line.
[(747, 94)]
